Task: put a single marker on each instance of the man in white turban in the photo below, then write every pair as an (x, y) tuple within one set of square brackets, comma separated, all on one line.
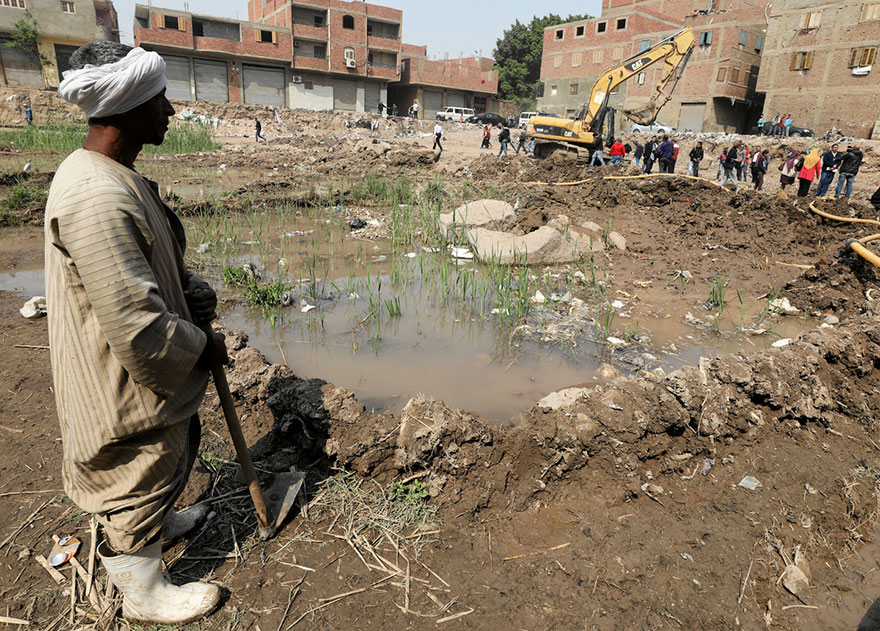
[(130, 365)]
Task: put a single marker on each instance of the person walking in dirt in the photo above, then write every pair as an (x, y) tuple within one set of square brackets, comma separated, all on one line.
[(760, 168), (830, 162), (650, 149), (28, 114), (415, 110), (695, 156), (730, 160), (438, 136), (811, 170), (598, 154), (487, 135), (638, 153), (665, 152), (675, 150), (394, 109), (381, 108), (787, 125), (761, 121), (617, 152), (849, 168), (130, 365), (522, 138), (790, 169), (742, 161), (258, 128), (504, 139), (722, 157)]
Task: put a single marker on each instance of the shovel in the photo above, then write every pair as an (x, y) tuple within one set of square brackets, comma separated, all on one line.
[(284, 488)]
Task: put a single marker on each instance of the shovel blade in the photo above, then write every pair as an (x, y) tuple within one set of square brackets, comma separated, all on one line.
[(280, 498)]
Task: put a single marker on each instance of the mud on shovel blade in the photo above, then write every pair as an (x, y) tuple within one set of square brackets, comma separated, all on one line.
[(286, 485)]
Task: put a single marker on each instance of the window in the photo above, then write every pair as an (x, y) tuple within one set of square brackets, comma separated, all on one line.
[(743, 38), (319, 20), (759, 43), (802, 61), (575, 59), (870, 12), (617, 53), (219, 30), (597, 56), (601, 27), (644, 45), (553, 90), (734, 75), (579, 31), (267, 37), (171, 22), (621, 24), (348, 53), (722, 74), (560, 33), (557, 61), (811, 20), (67, 7), (640, 78), (862, 57), (15, 4), (320, 51), (347, 21), (573, 89), (706, 38)]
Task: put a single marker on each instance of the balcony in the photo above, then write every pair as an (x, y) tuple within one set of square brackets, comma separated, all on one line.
[(310, 31), (383, 43)]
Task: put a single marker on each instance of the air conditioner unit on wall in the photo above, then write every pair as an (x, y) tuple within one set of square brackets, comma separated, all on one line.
[(350, 63), (296, 79)]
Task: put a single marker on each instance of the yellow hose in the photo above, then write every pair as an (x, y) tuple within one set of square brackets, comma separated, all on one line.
[(856, 245)]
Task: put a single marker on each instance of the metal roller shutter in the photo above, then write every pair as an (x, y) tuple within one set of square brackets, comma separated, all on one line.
[(371, 97), (211, 81), (263, 86), (691, 117), (20, 71), (344, 95), (177, 73), (455, 100), (433, 103)]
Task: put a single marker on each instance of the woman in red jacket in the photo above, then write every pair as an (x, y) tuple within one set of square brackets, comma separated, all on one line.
[(809, 172), (617, 152)]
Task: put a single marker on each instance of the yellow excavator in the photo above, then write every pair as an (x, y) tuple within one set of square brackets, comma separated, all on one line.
[(586, 130)]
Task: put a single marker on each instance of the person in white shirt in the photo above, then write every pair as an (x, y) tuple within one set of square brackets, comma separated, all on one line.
[(438, 135)]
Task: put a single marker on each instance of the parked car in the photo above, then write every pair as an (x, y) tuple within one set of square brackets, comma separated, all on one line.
[(451, 113), (796, 132), (653, 128), (487, 118), (524, 119)]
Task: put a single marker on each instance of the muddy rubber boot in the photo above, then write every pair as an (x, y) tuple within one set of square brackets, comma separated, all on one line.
[(177, 524), (147, 596)]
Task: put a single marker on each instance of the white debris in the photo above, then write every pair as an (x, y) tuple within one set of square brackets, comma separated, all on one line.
[(34, 308), (780, 343), (203, 247), (538, 298), (617, 304), (782, 305), (615, 340), (306, 307), (750, 483), (410, 255)]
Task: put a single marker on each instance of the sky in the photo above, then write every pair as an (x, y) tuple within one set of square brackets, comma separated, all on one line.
[(446, 26)]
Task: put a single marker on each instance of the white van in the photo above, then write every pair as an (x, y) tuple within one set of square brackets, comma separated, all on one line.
[(524, 119), (451, 113)]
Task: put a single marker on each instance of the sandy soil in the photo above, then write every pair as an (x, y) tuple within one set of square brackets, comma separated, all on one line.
[(619, 509)]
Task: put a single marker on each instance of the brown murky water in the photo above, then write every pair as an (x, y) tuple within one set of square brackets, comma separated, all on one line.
[(377, 320)]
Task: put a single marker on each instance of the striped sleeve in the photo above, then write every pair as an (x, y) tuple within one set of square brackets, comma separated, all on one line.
[(101, 233)]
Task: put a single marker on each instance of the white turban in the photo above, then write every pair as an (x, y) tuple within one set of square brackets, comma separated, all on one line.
[(115, 88)]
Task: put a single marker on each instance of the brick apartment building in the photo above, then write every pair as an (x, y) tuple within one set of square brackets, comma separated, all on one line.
[(63, 25), (717, 91), (215, 59), (818, 62), (435, 84)]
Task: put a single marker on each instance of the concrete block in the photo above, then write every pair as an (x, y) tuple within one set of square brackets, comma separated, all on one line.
[(480, 213)]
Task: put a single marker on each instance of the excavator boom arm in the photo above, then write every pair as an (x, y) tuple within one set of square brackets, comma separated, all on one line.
[(674, 51)]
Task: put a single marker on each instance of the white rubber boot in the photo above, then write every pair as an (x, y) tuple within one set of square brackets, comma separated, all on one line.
[(147, 597), (178, 524)]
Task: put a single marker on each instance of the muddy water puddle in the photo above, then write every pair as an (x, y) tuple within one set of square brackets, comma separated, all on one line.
[(391, 321)]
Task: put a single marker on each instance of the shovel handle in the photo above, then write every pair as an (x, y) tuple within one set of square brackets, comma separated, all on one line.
[(264, 519)]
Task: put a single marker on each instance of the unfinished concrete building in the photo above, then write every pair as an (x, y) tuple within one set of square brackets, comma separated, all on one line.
[(63, 27), (818, 64), (717, 92)]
